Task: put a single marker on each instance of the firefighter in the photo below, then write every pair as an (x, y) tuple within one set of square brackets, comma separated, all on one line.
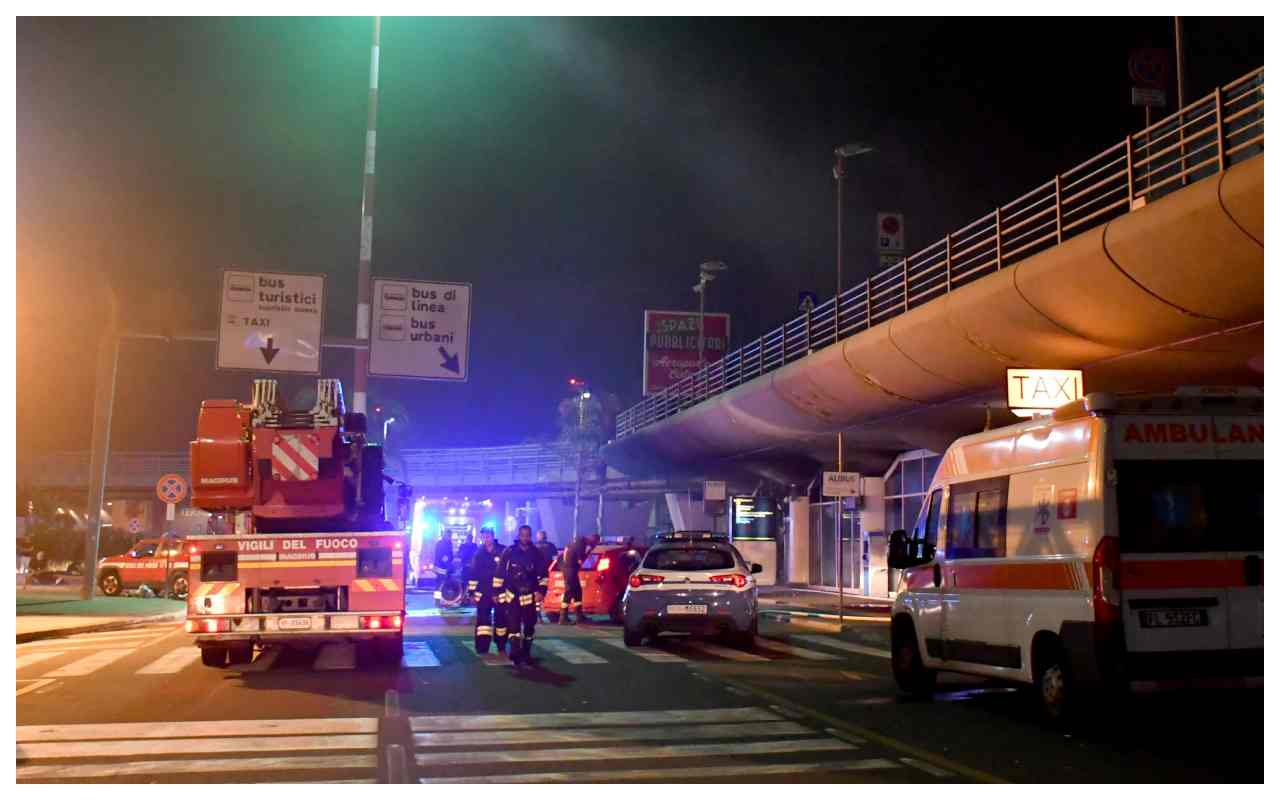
[(524, 572), (548, 551), (485, 588)]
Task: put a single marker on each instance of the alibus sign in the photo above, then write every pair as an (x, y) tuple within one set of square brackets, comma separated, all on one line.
[(671, 345)]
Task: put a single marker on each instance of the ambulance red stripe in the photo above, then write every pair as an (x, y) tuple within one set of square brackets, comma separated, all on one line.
[(1183, 574)]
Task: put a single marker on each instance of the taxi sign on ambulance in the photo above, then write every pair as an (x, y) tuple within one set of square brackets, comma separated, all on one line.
[(1039, 391)]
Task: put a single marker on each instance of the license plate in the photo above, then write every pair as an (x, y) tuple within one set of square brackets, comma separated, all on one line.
[(1174, 618), (686, 609), (295, 623)]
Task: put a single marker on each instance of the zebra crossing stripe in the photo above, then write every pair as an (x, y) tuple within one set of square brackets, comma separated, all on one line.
[(641, 733), (578, 719), (790, 649), (674, 773), (841, 644), (171, 662), (121, 748), (27, 659), (925, 766), (569, 652), (630, 751), (152, 769), (87, 665), (648, 653), (723, 652), (174, 730)]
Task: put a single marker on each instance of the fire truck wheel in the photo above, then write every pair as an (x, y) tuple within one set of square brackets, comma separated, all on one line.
[(240, 655), (213, 656), (109, 583), (908, 667), (178, 586)]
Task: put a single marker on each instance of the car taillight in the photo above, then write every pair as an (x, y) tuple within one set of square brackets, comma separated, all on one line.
[(193, 550), (602, 565), (191, 626), (379, 623), (739, 581), (1106, 580), (396, 622), (639, 580)]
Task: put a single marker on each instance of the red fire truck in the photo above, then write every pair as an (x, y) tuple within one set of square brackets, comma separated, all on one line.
[(313, 559)]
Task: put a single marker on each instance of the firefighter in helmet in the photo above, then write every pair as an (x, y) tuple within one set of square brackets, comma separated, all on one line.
[(523, 570), (486, 588)]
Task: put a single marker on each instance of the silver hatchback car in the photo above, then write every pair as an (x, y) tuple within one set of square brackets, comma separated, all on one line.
[(692, 582)]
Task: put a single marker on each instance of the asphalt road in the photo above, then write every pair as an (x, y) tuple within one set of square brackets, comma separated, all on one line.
[(806, 705)]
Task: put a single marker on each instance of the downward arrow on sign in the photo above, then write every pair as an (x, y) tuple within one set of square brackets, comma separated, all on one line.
[(450, 361), (269, 352)]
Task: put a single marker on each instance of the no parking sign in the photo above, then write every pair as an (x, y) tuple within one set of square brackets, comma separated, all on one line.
[(171, 489)]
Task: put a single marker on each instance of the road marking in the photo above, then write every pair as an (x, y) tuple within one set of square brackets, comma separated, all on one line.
[(633, 752), (418, 654), (172, 662), (152, 769), (87, 665), (171, 747), (666, 775), (28, 659), (173, 730), (36, 683), (657, 733), (648, 653), (569, 652), (576, 719), (841, 644), (68, 644), (790, 649), (848, 737), (924, 766), (163, 630), (723, 652)]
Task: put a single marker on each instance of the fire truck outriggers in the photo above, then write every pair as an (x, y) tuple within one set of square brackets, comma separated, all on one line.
[(312, 558)]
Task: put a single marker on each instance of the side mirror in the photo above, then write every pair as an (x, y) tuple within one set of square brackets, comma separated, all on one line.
[(756, 569), (899, 557)]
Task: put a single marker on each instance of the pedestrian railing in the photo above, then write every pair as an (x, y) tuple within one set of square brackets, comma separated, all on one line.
[(1202, 139)]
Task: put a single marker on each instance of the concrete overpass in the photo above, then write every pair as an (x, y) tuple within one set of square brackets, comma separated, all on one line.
[(1142, 266)]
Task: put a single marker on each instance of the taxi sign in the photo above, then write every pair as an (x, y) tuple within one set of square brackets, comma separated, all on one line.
[(171, 489), (1039, 391)]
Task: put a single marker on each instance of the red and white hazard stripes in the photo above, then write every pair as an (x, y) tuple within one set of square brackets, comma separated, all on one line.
[(295, 457), (374, 585)]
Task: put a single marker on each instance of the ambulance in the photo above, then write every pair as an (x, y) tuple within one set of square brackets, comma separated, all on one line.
[(1116, 543)]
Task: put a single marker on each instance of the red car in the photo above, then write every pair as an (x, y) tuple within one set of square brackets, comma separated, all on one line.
[(159, 563), (603, 575)]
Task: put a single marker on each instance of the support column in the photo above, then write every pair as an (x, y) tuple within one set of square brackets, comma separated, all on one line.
[(797, 570), (871, 521)]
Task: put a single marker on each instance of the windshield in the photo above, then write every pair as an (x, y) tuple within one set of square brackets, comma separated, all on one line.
[(689, 559), (1189, 506)]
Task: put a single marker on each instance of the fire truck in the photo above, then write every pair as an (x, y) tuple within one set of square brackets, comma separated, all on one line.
[(312, 558)]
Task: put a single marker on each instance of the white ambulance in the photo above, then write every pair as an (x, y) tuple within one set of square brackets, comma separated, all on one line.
[(1117, 541)]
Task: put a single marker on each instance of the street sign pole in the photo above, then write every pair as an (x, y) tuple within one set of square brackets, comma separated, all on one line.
[(359, 394), (840, 526), (104, 395)]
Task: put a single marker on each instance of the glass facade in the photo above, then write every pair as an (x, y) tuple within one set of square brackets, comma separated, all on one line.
[(905, 485)]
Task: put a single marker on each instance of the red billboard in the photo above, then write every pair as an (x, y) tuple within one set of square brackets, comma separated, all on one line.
[(671, 345)]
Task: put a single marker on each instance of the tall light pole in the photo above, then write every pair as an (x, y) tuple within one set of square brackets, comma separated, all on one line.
[(706, 274), (844, 151), (385, 426), (360, 391), (584, 394)]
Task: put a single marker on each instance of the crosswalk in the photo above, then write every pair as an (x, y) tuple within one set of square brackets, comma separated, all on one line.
[(157, 652), (659, 746), (292, 750)]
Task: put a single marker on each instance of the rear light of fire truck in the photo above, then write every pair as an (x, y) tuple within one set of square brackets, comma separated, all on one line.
[(208, 625), (1106, 580), (639, 580), (394, 623), (739, 581)]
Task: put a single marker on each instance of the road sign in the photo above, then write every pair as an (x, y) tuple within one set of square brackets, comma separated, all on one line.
[(841, 484), (420, 330), (135, 525), (1149, 66), (890, 259), (271, 322), (808, 301), (671, 345), (171, 488), (1039, 391), (889, 231), (1146, 96)]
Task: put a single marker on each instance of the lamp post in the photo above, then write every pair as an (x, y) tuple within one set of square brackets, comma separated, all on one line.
[(706, 274), (842, 152), (385, 426)]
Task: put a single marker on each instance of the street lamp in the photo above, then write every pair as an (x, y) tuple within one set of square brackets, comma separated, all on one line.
[(386, 425), (844, 151), (706, 274)]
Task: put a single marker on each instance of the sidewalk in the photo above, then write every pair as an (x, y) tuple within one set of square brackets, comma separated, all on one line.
[(800, 601), (46, 617)]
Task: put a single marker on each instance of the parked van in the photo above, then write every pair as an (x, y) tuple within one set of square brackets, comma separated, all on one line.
[(1118, 540)]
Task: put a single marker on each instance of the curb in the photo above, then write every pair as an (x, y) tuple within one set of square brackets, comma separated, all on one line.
[(60, 633), (786, 615)]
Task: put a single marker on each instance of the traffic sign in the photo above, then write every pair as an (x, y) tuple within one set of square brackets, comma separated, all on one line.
[(841, 484), (420, 330), (808, 301), (889, 231), (171, 489), (271, 322), (1146, 96), (135, 525)]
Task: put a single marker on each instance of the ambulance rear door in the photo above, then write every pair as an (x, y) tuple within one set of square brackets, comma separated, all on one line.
[(1188, 500)]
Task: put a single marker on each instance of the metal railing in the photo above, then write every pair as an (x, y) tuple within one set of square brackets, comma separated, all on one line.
[(1202, 139)]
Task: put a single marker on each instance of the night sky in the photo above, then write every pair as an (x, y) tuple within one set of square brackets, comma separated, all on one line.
[(575, 172)]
